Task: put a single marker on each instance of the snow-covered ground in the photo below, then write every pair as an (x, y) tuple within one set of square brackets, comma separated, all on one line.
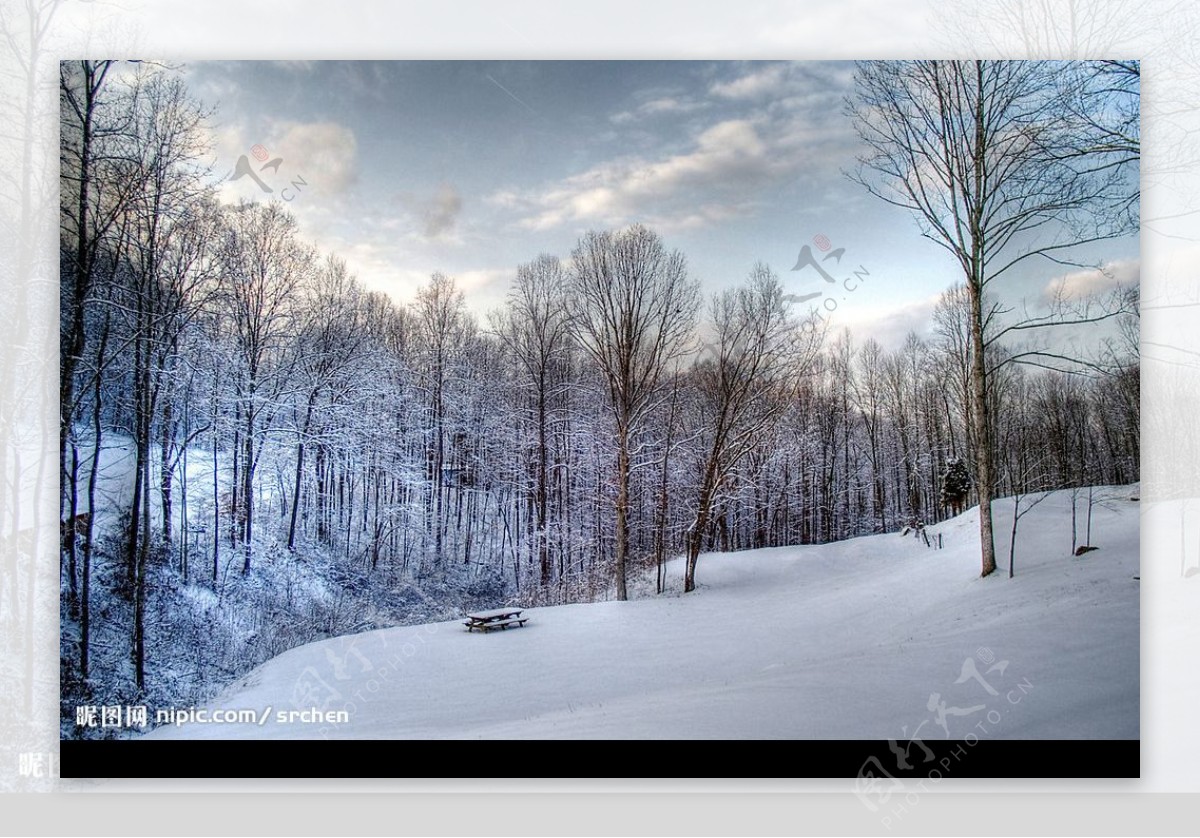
[(862, 639), (114, 486)]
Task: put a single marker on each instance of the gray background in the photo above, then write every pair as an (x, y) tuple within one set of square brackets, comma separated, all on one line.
[(1163, 34)]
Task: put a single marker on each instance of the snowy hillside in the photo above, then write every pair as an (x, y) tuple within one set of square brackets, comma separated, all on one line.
[(852, 640)]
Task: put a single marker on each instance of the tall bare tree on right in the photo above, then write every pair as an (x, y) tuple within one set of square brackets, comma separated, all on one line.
[(998, 164)]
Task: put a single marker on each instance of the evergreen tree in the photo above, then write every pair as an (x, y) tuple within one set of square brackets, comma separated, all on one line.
[(956, 483)]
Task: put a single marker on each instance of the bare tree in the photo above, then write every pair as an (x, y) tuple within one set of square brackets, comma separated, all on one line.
[(264, 266), (100, 177), (444, 329), (535, 330), (330, 337), (632, 308), (149, 190), (86, 217), (995, 166), (1026, 463), (952, 326), (868, 398), (900, 376), (759, 359)]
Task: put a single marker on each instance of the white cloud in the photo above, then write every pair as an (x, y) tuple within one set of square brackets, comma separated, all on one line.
[(772, 123), (484, 279), (759, 84), (718, 176), (386, 259), (482, 288), (888, 325), (812, 91), (227, 142), (325, 154), (1084, 283), (667, 104), (658, 106), (506, 198), (317, 158)]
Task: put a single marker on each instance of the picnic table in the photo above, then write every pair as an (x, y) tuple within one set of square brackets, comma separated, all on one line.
[(497, 618)]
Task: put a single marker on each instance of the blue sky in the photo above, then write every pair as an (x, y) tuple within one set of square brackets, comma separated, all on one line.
[(470, 168)]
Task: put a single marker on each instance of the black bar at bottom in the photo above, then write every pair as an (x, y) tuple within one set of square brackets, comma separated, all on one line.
[(871, 762)]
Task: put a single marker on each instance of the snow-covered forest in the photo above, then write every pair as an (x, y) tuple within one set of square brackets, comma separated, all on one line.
[(259, 452)]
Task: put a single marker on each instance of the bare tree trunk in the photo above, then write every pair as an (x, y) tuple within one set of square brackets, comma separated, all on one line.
[(143, 560), (184, 522), (166, 477), (1074, 518), (660, 529), (622, 509), (983, 444), (439, 463), (1091, 501), (542, 497), (247, 507), (1012, 539), (235, 483), (696, 538), (291, 543), (85, 609), (983, 439), (68, 534), (216, 486)]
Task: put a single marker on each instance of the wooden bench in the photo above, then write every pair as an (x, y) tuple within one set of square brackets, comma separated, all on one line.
[(499, 618), (495, 624)]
